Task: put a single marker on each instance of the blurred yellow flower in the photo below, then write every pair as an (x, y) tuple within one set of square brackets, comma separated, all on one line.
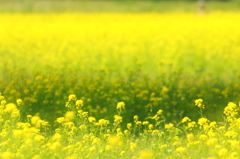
[(120, 105), (10, 107), (145, 154), (69, 116)]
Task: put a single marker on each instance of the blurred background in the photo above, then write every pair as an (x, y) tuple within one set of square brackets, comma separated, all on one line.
[(48, 6)]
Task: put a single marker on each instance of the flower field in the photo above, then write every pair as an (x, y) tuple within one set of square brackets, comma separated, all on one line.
[(144, 85)]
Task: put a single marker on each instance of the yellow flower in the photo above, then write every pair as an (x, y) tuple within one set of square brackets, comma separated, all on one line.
[(7, 155), (231, 134), (159, 112), (117, 119), (164, 90), (108, 147), (198, 102), (17, 133), (56, 146), (190, 137), (211, 142), (60, 120), (120, 105), (163, 146), (145, 154), (103, 122), (129, 125), (145, 123), (79, 104), (176, 143), (203, 137), (39, 138), (91, 119), (36, 157), (234, 143), (56, 137), (155, 117), (15, 113), (19, 102), (72, 97), (181, 150), (122, 153), (10, 107), (155, 132), (203, 121), (186, 119), (135, 118), (69, 116), (169, 126), (82, 127), (114, 140), (150, 126), (133, 146), (35, 119), (222, 152)]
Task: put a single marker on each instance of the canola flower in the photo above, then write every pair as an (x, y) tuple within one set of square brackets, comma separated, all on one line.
[(99, 71), (89, 125)]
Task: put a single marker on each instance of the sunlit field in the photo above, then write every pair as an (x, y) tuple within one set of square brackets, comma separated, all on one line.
[(119, 85)]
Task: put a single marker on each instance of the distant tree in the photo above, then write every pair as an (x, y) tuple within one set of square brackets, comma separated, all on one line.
[(201, 6)]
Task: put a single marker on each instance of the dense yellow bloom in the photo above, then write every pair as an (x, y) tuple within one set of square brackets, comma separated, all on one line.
[(83, 46)]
